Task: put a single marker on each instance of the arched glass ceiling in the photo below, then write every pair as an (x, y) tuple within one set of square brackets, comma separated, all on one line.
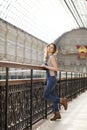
[(45, 19)]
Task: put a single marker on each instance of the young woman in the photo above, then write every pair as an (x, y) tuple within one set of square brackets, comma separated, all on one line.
[(51, 67)]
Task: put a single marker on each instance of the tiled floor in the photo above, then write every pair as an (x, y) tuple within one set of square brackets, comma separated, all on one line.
[(75, 118)]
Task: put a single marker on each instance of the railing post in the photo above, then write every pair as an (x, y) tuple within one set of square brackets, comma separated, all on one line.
[(71, 86), (31, 100), (6, 99), (45, 109), (59, 83), (79, 83), (84, 83), (45, 113), (59, 86), (66, 85)]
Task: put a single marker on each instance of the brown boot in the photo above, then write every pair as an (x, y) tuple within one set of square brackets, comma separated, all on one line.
[(56, 116), (64, 103)]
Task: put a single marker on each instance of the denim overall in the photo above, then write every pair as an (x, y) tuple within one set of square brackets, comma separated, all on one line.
[(50, 92)]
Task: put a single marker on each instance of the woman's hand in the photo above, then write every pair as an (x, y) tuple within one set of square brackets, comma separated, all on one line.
[(43, 65)]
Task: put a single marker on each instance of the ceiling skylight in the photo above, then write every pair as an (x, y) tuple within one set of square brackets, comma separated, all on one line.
[(45, 19)]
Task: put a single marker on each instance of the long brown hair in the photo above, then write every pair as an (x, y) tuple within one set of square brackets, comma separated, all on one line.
[(45, 51)]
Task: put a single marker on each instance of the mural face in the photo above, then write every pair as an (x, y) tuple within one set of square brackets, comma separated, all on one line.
[(82, 51)]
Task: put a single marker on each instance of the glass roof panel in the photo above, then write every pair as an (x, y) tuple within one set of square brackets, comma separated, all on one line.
[(45, 19)]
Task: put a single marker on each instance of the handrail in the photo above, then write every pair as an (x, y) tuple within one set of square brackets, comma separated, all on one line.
[(10, 64), (19, 65)]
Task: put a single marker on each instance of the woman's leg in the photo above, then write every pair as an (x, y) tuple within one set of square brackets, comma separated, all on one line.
[(50, 93), (49, 90), (55, 102)]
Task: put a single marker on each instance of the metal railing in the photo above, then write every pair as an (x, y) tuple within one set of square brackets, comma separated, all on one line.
[(22, 103)]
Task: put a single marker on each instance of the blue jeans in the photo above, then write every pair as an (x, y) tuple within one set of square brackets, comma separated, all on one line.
[(50, 92)]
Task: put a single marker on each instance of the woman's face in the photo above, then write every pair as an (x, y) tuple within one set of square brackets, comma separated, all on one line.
[(50, 48)]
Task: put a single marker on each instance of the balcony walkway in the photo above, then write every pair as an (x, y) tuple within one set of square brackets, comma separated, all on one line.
[(75, 118)]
